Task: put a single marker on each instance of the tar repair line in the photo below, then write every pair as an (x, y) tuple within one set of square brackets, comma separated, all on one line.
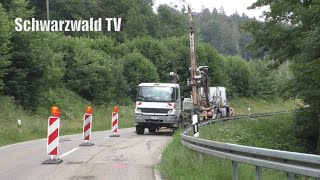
[(44, 139), (157, 174), (69, 152)]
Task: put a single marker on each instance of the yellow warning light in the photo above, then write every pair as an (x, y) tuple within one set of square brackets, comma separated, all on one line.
[(89, 109), (115, 109), (55, 111)]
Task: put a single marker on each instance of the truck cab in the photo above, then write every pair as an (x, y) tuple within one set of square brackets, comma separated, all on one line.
[(218, 98), (157, 105)]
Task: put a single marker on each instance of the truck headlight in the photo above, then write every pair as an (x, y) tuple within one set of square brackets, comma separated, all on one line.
[(171, 112), (138, 111)]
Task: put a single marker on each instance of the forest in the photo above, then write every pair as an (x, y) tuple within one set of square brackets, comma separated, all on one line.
[(264, 60)]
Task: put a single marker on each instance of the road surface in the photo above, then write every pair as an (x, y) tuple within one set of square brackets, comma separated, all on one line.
[(129, 156)]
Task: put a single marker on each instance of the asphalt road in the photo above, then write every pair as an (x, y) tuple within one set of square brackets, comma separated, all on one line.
[(129, 156)]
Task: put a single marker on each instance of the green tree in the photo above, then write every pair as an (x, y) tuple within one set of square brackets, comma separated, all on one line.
[(262, 82), (135, 25), (152, 49), (90, 70), (291, 32), (138, 69), (36, 66), (36, 60), (5, 35), (172, 22), (223, 32), (238, 72), (179, 59)]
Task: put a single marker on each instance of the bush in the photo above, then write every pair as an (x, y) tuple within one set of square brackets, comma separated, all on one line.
[(152, 49), (238, 74), (36, 65), (305, 127), (138, 69), (91, 71)]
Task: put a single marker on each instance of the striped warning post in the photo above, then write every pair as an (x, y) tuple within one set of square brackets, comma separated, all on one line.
[(114, 123), (195, 124), (53, 140), (87, 123), (53, 136), (87, 126)]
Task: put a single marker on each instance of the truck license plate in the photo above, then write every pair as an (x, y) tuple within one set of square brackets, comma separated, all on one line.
[(154, 118)]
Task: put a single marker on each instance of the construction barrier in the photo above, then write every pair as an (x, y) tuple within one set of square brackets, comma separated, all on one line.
[(195, 124), (53, 136), (114, 122), (87, 124)]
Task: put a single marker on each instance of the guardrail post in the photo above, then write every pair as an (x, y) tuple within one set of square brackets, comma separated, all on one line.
[(258, 173), (290, 176), (235, 170), (195, 122)]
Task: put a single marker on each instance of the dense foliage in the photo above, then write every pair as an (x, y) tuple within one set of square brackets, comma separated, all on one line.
[(291, 32), (223, 32), (103, 67), (5, 36)]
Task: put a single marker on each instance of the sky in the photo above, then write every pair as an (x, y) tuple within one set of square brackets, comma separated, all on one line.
[(230, 6)]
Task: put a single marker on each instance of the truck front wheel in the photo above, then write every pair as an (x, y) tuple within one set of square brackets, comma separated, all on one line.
[(139, 129)]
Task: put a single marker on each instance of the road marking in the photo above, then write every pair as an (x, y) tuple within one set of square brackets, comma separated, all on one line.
[(69, 152), (107, 137)]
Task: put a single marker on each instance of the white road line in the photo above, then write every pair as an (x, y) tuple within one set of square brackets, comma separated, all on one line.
[(69, 152)]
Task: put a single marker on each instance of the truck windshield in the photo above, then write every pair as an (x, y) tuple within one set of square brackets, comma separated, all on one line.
[(156, 94)]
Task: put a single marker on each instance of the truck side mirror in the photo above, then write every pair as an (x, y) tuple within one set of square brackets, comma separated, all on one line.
[(182, 98), (132, 90)]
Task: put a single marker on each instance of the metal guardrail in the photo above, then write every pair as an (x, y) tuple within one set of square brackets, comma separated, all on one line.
[(290, 162)]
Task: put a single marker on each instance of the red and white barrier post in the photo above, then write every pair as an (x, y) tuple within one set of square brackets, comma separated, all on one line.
[(87, 124), (53, 136), (114, 122)]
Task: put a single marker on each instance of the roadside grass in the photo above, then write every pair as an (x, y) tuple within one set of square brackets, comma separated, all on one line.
[(241, 105), (179, 162), (34, 126), (273, 132)]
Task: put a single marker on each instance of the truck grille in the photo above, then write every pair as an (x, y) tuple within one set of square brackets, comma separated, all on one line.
[(154, 110)]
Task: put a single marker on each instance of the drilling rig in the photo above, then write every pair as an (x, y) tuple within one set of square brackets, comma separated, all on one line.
[(161, 105), (199, 79), (207, 102)]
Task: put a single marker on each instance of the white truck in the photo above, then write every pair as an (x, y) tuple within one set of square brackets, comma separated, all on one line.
[(157, 105), (218, 99), (218, 103)]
